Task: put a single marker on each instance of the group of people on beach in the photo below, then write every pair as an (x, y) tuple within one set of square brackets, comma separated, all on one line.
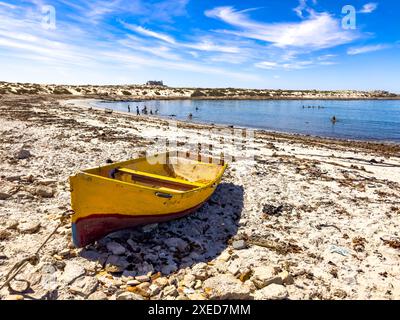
[(144, 110)]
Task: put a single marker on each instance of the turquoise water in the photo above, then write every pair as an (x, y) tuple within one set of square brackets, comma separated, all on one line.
[(362, 120)]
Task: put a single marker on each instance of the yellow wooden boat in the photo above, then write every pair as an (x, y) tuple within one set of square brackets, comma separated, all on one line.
[(146, 190)]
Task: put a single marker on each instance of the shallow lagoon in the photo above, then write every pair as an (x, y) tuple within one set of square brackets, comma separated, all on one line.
[(356, 119)]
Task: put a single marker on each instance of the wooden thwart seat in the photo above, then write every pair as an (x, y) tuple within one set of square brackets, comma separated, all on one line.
[(160, 181)]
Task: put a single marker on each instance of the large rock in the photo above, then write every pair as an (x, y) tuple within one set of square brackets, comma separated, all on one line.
[(264, 276), (271, 292), (72, 271), (226, 286), (84, 286), (116, 248)]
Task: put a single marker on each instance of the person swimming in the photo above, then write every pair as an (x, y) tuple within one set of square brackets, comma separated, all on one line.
[(333, 119)]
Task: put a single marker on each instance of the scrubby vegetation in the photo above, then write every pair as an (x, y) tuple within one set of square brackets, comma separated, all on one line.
[(197, 93), (59, 90)]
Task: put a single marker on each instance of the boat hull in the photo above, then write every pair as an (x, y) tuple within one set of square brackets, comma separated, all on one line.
[(94, 227)]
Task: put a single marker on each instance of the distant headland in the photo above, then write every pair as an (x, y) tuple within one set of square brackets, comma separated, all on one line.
[(157, 90)]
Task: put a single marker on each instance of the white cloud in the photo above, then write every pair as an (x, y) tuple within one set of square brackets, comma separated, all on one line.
[(266, 65), (318, 31), (202, 45), (369, 7), (206, 45), (294, 64), (149, 33), (7, 5), (365, 49)]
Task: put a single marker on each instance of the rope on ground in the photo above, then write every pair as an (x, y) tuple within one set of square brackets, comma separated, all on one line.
[(32, 259)]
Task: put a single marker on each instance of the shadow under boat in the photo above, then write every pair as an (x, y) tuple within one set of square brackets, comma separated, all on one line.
[(200, 237)]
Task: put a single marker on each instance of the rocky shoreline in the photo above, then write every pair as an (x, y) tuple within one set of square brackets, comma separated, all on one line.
[(310, 218)]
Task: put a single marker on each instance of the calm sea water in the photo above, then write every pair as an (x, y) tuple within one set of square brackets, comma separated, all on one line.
[(361, 120)]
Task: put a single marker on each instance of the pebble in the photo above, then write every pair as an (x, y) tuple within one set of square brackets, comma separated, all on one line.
[(44, 191), (176, 244), (239, 244), (286, 277), (23, 154), (198, 284), (225, 286), (271, 292), (154, 289), (4, 196), (143, 289), (196, 296), (4, 235), (143, 278), (189, 280), (71, 272), (200, 271), (84, 286), (129, 296), (29, 227), (234, 268), (116, 248), (98, 295), (133, 283), (116, 264), (224, 256), (170, 291), (161, 282), (264, 276)]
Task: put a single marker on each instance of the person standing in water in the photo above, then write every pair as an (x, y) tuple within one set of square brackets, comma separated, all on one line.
[(129, 108), (137, 110)]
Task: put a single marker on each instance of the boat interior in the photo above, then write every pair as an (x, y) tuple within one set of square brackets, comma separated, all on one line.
[(165, 172)]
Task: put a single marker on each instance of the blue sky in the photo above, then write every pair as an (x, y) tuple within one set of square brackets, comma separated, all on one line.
[(293, 44)]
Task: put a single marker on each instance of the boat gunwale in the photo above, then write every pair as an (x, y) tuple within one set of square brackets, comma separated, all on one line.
[(173, 192)]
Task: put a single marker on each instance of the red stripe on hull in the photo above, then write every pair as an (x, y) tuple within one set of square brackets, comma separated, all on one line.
[(89, 229)]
